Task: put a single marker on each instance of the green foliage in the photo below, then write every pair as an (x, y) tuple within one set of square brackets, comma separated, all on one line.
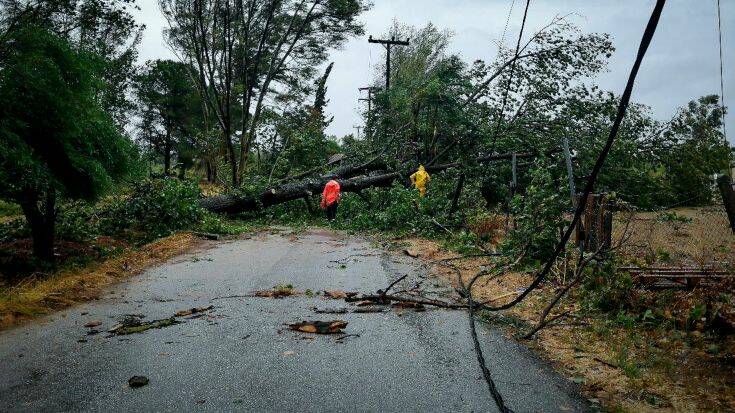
[(609, 291), (55, 132), (672, 216), (77, 221), (14, 230), (156, 208), (169, 109), (538, 216), (9, 209)]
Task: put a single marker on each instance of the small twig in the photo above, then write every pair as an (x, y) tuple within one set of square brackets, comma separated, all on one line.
[(233, 296), (382, 295), (388, 298)]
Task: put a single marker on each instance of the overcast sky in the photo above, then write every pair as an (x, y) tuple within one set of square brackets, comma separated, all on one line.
[(682, 62)]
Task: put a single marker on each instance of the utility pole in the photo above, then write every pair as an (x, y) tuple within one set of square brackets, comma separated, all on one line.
[(369, 100), (387, 44), (357, 127)]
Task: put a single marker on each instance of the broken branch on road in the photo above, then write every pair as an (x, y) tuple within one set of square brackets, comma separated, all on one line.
[(319, 327)]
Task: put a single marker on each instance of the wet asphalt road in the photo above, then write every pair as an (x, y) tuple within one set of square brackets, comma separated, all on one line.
[(241, 357)]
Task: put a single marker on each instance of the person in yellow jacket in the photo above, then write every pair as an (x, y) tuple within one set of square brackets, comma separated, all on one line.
[(419, 179)]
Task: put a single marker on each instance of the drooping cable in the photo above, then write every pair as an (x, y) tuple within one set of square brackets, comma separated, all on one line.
[(510, 78), (507, 20), (622, 108)]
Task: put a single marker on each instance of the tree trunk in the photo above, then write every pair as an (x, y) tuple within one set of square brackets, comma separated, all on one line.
[(167, 154), (42, 222), (208, 165), (348, 179), (457, 192)]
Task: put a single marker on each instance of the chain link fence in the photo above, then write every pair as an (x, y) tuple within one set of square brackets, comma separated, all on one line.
[(682, 237)]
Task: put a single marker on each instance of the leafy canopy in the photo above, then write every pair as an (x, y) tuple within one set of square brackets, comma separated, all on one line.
[(53, 129)]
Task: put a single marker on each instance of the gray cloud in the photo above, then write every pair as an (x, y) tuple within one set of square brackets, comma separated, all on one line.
[(682, 62)]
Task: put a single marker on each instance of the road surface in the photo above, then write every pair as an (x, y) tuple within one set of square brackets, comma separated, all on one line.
[(241, 357)]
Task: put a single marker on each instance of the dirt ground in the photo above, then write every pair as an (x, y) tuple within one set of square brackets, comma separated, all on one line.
[(623, 369), (42, 293)]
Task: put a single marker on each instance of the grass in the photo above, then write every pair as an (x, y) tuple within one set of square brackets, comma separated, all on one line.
[(39, 295)]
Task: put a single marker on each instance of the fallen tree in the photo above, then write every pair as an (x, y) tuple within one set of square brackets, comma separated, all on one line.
[(351, 178)]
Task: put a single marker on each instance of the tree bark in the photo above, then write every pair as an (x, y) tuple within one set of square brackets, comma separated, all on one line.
[(350, 181), (42, 222), (167, 155)]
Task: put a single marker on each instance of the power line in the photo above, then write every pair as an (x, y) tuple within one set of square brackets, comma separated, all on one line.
[(510, 77), (507, 20), (722, 82)]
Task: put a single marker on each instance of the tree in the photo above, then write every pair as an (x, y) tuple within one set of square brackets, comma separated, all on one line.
[(105, 28), (245, 51), (56, 139), (168, 107), (698, 150)]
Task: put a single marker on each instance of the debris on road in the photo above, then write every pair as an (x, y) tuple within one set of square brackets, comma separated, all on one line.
[(319, 327), (194, 310), (93, 323), (133, 325), (338, 295), (278, 291), (138, 381), (368, 310), (341, 338), (409, 304), (342, 310)]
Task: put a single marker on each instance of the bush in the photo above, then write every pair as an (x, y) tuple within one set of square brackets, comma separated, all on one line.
[(77, 221), (8, 209), (538, 217), (157, 208), (13, 230), (609, 290)]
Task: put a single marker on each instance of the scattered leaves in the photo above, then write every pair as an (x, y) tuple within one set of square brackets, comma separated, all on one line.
[(319, 327)]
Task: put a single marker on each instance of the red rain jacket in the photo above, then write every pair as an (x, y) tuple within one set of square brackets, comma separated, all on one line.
[(330, 194)]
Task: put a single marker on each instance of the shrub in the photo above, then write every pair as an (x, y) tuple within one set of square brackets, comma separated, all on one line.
[(538, 217), (157, 208), (77, 221), (13, 230), (609, 290)]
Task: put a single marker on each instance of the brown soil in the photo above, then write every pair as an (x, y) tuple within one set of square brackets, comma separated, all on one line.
[(632, 368)]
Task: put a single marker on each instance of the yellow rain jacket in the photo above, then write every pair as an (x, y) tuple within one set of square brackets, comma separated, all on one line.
[(419, 179)]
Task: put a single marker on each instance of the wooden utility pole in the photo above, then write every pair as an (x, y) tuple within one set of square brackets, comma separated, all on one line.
[(369, 100), (388, 44)]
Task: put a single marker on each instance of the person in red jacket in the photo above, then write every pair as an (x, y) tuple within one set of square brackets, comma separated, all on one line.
[(330, 199)]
